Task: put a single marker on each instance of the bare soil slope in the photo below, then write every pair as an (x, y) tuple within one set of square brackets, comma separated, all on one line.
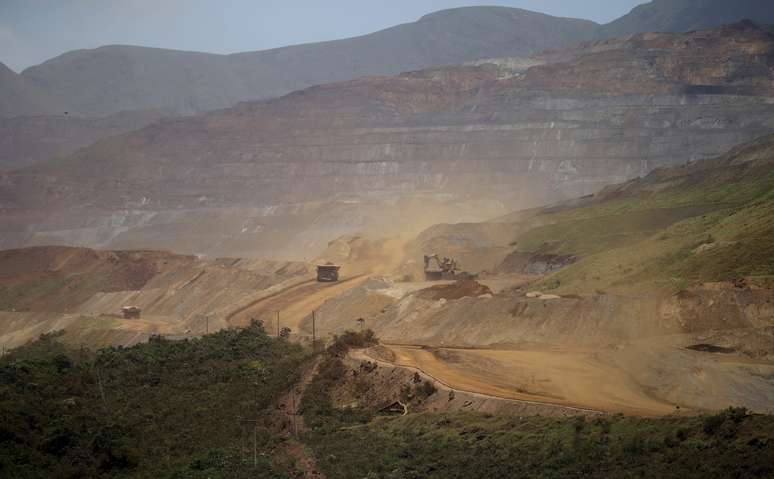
[(82, 291)]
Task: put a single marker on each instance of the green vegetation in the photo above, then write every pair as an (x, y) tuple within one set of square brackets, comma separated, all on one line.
[(161, 409), (465, 445), (168, 409), (712, 221), (316, 405)]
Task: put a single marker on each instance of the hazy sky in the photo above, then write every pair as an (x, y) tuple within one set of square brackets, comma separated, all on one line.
[(32, 31)]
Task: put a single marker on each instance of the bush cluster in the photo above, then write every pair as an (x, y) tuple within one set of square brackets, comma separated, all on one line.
[(160, 409)]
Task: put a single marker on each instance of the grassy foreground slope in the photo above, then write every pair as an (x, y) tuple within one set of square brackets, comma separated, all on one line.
[(467, 445), (168, 409), (159, 409), (706, 221)]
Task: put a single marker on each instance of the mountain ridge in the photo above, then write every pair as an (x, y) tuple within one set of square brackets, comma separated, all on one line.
[(191, 82), (687, 15), (112, 78)]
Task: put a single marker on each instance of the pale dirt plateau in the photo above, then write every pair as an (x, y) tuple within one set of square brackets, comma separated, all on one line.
[(606, 353), (602, 353)]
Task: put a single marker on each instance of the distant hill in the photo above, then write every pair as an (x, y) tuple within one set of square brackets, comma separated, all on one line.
[(115, 78), (26, 140), (19, 97), (686, 15)]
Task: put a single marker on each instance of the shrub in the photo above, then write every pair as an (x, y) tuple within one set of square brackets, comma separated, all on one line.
[(426, 389), (726, 422)]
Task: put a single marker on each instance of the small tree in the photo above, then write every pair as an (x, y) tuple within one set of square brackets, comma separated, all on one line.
[(285, 333), (361, 323)]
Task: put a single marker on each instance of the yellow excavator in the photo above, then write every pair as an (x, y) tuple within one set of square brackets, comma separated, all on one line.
[(437, 268)]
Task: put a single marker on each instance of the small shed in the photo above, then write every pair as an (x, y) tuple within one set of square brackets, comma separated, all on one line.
[(396, 408), (131, 312)]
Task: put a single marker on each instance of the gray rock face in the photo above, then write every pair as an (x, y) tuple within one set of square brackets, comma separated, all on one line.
[(393, 153)]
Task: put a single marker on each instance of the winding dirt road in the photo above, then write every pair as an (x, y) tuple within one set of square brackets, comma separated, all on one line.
[(298, 301), (568, 378)]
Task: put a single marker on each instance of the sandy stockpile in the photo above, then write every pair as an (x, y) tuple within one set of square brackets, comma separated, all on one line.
[(563, 377), (373, 383)]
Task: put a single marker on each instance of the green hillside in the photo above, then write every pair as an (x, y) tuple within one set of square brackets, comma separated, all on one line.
[(160, 409), (476, 445), (705, 221), (169, 409)]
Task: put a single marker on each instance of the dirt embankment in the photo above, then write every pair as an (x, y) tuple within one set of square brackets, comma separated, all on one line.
[(58, 278), (440, 317), (82, 291), (608, 352), (567, 378), (467, 288), (534, 263), (648, 378), (374, 383)]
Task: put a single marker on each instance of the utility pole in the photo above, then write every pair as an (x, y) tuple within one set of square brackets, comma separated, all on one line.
[(241, 439), (207, 324), (244, 439), (277, 324), (293, 400), (101, 390), (255, 445), (314, 333)]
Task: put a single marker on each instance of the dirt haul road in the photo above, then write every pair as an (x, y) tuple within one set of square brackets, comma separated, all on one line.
[(293, 304), (572, 378), (297, 302)]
